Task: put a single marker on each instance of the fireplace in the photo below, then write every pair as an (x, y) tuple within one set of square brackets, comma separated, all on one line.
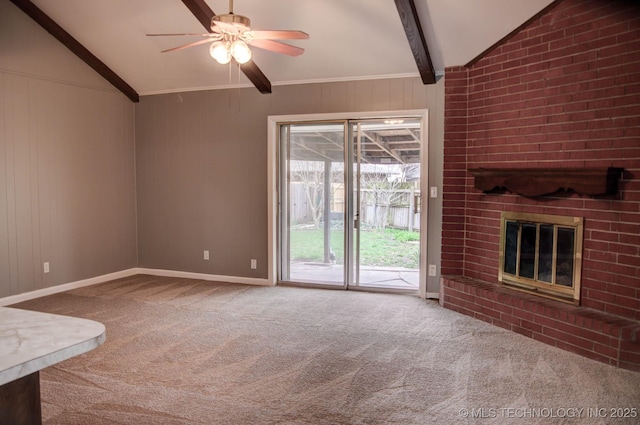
[(541, 254), (538, 138)]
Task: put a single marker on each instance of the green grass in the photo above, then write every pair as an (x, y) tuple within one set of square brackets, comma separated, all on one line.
[(391, 247)]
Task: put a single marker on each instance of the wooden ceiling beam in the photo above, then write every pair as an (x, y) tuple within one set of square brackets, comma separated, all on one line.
[(417, 42), (201, 11), (338, 145), (303, 145), (256, 76), (75, 47), (415, 134), (375, 139), (203, 14)]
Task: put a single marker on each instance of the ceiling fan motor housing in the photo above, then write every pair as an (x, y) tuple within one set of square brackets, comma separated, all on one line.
[(239, 21)]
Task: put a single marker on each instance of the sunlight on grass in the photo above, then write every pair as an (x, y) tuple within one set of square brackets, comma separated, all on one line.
[(389, 248)]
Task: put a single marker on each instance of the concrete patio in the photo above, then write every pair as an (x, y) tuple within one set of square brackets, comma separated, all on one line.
[(370, 276)]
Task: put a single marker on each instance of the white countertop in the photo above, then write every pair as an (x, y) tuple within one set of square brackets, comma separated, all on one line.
[(31, 341)]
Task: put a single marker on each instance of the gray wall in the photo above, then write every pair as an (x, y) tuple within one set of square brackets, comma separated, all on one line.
[(67, 178), (201, 162)]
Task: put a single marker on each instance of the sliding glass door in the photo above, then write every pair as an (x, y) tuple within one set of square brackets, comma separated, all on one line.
[(349, 203), (312, 203), (386, 195)]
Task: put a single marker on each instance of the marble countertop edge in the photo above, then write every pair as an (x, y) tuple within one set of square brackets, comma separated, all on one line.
[(22, 330)]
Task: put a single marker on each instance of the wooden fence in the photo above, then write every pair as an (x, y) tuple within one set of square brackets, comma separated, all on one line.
[(400, 214)]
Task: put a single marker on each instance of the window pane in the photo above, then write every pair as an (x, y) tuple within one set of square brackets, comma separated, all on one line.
[(564, 263), (527, 250), (314, 232), (510, 247), (545, 253)]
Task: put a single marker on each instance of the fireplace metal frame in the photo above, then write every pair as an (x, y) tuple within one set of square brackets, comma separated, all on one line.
[(535, 286)]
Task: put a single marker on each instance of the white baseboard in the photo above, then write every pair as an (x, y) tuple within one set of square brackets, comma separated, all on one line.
[(204, 276), (433, 295), (13, 299)]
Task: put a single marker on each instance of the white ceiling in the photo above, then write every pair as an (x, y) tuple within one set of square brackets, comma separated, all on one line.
[(349, 39)]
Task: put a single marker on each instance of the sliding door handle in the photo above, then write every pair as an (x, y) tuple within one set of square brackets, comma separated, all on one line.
[(416, 203)]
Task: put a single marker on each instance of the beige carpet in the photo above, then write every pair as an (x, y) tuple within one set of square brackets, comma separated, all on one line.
[(193, 352)]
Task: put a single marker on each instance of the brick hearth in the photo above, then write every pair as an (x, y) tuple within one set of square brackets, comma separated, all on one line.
[(600, 336)]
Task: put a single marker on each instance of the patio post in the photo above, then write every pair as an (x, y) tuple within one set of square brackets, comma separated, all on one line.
[(326, 202)]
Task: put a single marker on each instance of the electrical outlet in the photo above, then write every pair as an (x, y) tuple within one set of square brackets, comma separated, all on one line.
[(45, 267), (206, 255), (432, 269), (254, 264)]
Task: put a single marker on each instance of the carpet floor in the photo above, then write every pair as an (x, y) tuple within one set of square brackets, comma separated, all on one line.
[(182, 351)]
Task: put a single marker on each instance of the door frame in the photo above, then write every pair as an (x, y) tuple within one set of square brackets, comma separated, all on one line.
[(272, 178)]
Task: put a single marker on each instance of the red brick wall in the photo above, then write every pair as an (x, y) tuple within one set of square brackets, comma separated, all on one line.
[(563, 92), (454, 170)]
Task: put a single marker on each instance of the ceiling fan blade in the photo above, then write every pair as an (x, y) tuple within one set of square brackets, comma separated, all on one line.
[(278, 47), (169, 35), (278, 35), (186, 46)]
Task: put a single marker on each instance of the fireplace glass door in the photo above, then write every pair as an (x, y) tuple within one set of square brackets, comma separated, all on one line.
[(542, 253)]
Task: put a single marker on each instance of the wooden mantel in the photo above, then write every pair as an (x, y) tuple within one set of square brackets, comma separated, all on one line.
[(545, 181)]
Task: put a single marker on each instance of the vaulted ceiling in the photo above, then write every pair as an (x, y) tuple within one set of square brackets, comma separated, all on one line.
[(349, 39)]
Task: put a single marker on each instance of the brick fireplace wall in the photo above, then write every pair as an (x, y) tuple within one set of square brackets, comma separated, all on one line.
[(564, 91)]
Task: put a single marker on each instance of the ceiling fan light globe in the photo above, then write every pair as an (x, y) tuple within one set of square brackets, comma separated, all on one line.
[(240, 51), (220, 52)]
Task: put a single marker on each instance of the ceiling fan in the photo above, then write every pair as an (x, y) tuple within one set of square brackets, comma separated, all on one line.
[(232, 35)]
